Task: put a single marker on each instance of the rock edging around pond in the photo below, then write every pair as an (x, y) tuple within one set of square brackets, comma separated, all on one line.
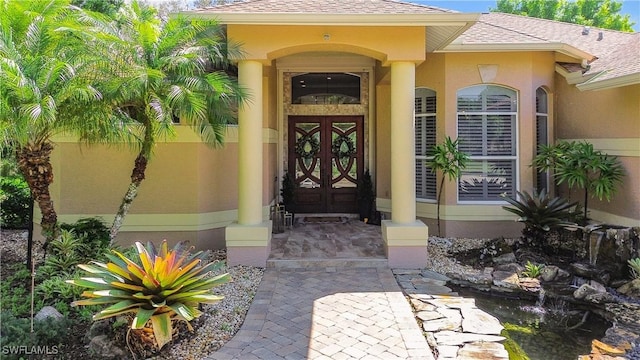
[(434, 303), (454, 327)]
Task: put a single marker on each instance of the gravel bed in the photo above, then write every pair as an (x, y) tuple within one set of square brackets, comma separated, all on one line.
[(440, 260)]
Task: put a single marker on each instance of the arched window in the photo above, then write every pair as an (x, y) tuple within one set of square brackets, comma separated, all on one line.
[(487, 131), (425, 139), (542, 134)]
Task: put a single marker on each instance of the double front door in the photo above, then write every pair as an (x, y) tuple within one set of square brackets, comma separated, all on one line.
[(326, 155)]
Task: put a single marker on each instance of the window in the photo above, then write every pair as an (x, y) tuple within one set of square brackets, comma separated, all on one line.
[(325, 88), (487, 131), (542, 137), (425, 139)]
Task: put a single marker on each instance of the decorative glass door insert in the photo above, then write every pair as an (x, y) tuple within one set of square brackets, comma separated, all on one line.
[(326, 157)]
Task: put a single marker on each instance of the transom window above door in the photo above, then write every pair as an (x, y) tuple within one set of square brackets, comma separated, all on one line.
[(325, 88)]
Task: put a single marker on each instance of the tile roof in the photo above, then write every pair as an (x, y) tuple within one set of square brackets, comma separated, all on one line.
[(614, 53), (326, 7)]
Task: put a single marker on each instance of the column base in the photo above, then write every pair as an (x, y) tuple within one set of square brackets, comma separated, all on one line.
[(406, 244), (248, 244)]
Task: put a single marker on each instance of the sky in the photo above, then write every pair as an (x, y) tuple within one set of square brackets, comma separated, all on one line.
[(631, 7)]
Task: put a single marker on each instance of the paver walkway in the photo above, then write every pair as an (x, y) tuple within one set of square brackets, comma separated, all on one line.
[(348, 313)]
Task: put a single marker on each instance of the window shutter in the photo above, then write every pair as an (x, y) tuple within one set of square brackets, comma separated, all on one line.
[(487, 116), (425, 180), (500, 135), (470, 134)]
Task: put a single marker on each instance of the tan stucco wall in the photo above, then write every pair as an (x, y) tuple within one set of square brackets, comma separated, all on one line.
[(381, 43), (609, 119), (446, 74), (190, 192)]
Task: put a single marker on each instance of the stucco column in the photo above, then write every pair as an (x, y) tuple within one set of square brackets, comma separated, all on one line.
[(250, 145), (249, 240), (403, 173), (405, 237)]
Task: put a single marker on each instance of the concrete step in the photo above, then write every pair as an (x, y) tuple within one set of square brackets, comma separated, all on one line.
[(283, 264)]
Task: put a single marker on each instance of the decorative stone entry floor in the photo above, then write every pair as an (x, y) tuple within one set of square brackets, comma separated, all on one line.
[(347, 239)]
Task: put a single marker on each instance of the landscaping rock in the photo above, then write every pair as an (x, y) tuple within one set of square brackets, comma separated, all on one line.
[(483, 350), (103, 347), (590, 272), (631, 289), (48, 312), (504, 259), (477, 321), (506, 279), (549, 273), (455, 338), (511, 267), (583, 291)]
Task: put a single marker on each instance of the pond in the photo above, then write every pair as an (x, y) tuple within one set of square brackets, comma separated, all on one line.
[(554, 331)]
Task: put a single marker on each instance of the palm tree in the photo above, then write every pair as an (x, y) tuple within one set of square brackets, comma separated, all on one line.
[(43, 92), (165, 70), (449, 160)]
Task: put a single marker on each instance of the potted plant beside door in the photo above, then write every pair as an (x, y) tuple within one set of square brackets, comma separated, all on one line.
[(366, 196), (288, 193)]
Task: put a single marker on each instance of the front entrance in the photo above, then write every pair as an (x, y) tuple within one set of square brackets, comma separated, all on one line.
[(326, 156)]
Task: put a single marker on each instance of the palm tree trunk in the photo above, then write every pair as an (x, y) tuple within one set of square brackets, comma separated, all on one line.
[(137, 175), (439, 197), (34, 162)]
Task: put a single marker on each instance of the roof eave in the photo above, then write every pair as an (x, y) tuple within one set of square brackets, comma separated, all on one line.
[(446, 19), (508, 47), (616, 82)]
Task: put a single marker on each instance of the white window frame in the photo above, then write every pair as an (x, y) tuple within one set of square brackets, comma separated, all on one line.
[(516, 145), (425, 158), (544, 115)]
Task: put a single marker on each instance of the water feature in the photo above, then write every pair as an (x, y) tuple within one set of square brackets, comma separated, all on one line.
[(546, 329)]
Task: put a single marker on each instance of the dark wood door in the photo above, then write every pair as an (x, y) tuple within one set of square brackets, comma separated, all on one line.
[(326, 155)]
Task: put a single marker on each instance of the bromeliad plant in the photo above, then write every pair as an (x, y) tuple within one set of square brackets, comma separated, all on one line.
[(540, 213), (159, 287)]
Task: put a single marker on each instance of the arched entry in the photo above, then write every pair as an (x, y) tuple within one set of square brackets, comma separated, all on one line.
[(326, 158)]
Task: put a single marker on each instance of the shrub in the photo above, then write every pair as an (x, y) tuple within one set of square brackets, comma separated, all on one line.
[(539, 213), (159, 288), (94, 235), (532, 270), (47, 336), (14, 290), (15, 199)]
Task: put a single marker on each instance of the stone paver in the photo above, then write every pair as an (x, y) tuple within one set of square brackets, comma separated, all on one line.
[(345, 313)]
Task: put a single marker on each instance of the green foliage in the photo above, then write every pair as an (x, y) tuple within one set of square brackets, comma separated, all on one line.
[(288, 191), (94, 234), (599, 13), (107, 7), (164, 285), (539, 213), (450, 161), (15, 198), (532, 270), (579, 165), (365, 187), (16, 331), (634, 267), (13, 290)]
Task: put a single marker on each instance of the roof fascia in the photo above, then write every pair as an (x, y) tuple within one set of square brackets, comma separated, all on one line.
[(548, 46), (448, 19), (572, 78), (621, 81)]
